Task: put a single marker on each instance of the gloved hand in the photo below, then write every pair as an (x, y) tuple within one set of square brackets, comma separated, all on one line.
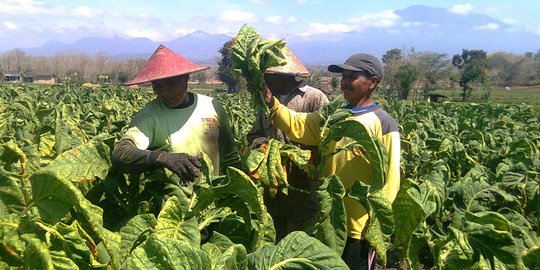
[(257, 142), (185, 166)]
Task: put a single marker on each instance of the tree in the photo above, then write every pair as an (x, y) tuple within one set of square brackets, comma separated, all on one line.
[(200, 76), (392, 59), (434, 67), (334, 82), (472, 65), (224, 72), (405, 76)]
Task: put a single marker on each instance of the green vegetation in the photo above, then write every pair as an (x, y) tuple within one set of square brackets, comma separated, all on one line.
[(469, 199)]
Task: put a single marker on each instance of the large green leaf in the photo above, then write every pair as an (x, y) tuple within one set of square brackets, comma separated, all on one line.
[(251, 56), (236, 183), (161, 252), (532, 258), (136, 231), (361, 138), (296, 251), (234, 258), (11, 195), (83, 163), (331, 225), (76, 244), (38, 256), (474, 196), (54, 197), (172, 223), (381, 220), (485, 239)]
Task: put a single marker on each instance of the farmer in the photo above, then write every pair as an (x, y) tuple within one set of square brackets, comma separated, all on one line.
[(361, 74), (173, 130), (297, 210)]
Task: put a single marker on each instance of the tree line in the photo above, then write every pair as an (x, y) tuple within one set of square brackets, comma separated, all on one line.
[(409, 74)]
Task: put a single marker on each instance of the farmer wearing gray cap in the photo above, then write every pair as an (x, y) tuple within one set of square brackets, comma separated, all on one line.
[(361, 74)]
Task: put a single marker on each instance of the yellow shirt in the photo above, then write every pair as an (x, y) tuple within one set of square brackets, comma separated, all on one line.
[(304, 128)]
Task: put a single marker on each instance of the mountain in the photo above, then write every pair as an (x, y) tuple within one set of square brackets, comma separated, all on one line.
[(199, 47), (424, 29), (420, 27)]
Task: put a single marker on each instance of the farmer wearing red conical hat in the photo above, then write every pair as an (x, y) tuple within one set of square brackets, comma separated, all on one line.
[(173, 130), (296, 210)]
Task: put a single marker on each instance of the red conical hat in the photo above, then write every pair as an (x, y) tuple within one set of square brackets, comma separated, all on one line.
[(293, 66), (164, 63)]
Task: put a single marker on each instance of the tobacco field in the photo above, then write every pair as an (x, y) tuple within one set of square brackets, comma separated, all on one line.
[(469, 197)]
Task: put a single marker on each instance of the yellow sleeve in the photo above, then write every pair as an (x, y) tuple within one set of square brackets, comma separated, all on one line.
[(299, 127), (392, 143)]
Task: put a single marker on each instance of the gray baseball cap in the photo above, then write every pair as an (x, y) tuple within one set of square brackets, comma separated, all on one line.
[(360, 62)]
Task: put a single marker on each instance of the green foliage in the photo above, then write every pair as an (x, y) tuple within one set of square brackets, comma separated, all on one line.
[(469, 199), (225, 72), (466, 199), (251, 56), (406, 75), (472, 64)]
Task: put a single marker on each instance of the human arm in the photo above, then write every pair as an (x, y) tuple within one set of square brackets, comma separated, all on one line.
[(392, 142), (128, 158), (299, 127)]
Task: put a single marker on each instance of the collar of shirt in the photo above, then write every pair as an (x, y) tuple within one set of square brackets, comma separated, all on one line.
[(363, 109)]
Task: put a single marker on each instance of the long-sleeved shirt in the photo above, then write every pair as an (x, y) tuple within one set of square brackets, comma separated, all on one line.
[(201, 126), (350, 167)]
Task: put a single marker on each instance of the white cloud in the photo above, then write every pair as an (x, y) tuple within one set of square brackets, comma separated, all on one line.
[(383, 19), (145, 33), (487, 27), (509, 21), (86, 11), (280, 20), (461, 9), (28, 7), (332, 28), (184, 31), (226, 31), (10, 26), (301, 1), (232, 16)]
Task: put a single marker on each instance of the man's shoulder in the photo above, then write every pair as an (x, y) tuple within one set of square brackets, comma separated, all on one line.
[(388, 123), (312, 90), (203, 97)]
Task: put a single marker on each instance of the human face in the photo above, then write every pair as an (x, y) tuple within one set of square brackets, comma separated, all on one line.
[(357, 87), (280, 84), (172, 91)]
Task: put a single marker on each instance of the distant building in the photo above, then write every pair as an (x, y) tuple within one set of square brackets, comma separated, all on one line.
[(11, 76), (31, 76)]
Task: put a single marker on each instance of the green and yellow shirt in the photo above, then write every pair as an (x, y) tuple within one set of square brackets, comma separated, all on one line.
[(201, 126)]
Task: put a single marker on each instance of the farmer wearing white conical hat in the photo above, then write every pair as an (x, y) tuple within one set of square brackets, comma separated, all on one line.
[(297, 210)]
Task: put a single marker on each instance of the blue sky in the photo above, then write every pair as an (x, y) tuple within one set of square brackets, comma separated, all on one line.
[(31, 23)]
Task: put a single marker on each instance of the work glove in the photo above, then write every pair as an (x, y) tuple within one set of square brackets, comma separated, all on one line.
[(185, 166), (257, 142)]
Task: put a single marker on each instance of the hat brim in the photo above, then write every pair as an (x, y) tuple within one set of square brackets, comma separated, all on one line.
[(152, 77), (339, 68)]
